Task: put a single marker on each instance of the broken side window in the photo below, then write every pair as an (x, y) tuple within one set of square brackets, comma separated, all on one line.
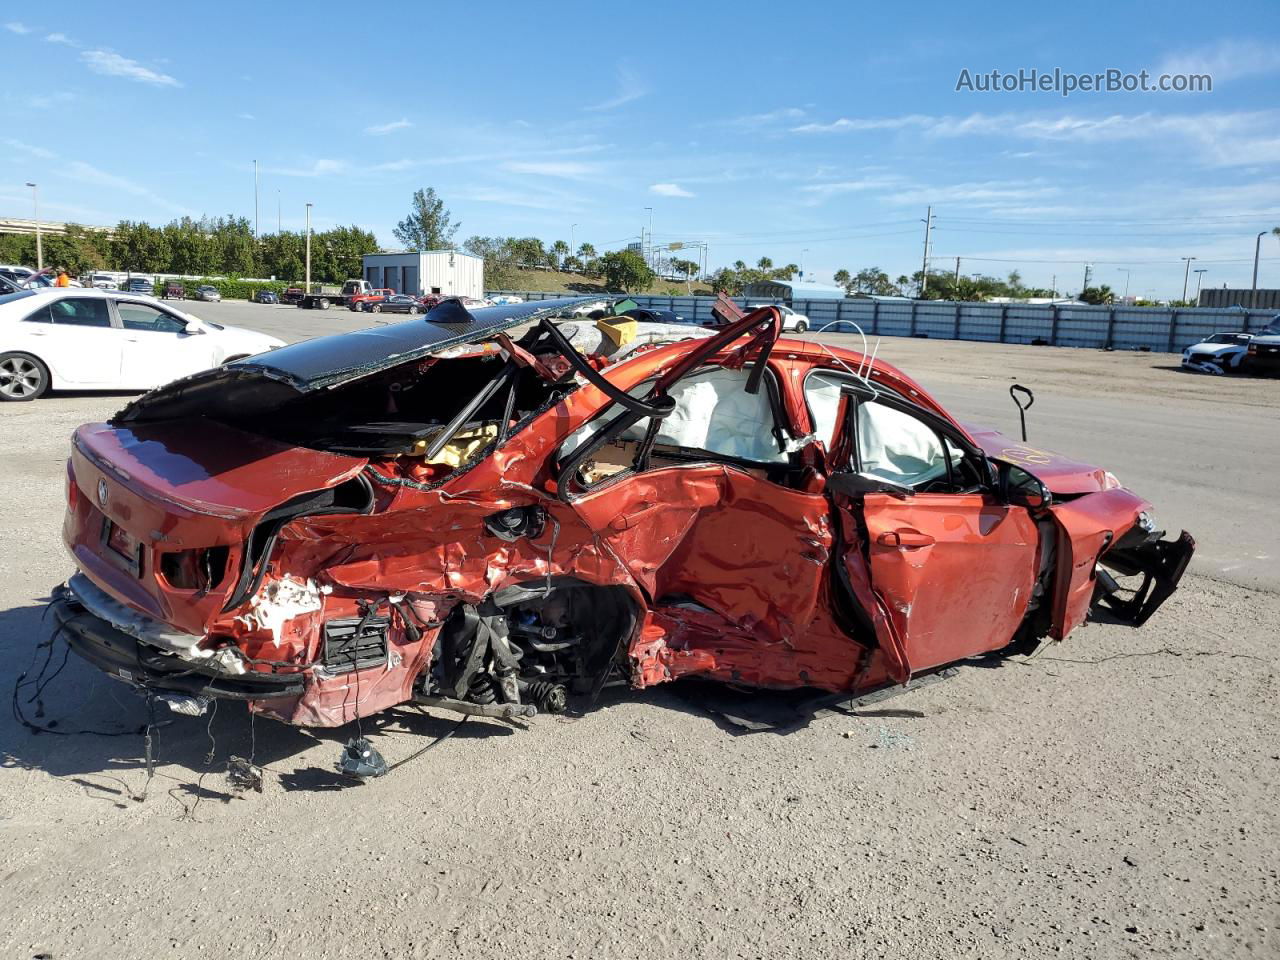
[(714, 417)]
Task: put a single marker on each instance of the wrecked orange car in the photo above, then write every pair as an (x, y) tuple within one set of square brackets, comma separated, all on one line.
[(440, 512)]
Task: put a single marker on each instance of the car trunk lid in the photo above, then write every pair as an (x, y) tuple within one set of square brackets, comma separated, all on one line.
[(163, 515)]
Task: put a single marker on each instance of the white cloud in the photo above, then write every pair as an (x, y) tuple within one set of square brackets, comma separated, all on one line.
[(246, 116), (14, 26), (986, 194), (754, 120), (630, 87), (317, 168), (565, 169), (1225, 60), (40, 152), (381, 129), (845, 125), (1241, 138), (669, 190), (113, 65), (60, 38), (521, 198), (852, 186), (86, 173)]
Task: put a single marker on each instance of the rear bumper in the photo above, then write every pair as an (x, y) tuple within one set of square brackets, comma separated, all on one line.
[(117, 653)]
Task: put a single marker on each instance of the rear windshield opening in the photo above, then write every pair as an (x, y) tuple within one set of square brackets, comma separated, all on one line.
[(403, 411)]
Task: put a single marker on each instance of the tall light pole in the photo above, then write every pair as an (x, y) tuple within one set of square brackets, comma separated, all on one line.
[(802, 253), (573, 251), (1257, 253), (279, 218), (35, 205), (308, 282), (924, 265), (1126, 273), (1199, 279), (256, 232), (1186, 277)]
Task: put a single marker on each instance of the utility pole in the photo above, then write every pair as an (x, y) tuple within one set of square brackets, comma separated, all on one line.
[(35, 205), (957, 280), (647, 250), (1053, 287), (573, 251), (1257, 253), (1086, 278), (1186, 277), (924, 266), (1199, 278), (1126, 273), (256, 182), (308, 281)]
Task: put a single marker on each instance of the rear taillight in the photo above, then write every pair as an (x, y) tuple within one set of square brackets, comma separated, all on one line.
[(194, 569), (73, 488)]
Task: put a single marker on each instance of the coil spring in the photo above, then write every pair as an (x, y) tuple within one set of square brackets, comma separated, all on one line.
[(481, 689), (548, 696)]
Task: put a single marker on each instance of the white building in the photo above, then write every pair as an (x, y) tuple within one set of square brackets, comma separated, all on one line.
[(449, 272)]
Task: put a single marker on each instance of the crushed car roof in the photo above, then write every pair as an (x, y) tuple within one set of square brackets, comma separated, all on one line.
[(326, 361), (329, 361)]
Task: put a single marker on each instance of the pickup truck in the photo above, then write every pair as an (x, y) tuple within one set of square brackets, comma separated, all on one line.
[(362, 301), (329, 296)]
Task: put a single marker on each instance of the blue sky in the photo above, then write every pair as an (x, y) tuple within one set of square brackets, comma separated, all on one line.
[(814, 133)]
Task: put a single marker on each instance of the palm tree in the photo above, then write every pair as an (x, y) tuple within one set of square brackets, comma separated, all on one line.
[(559, 250)]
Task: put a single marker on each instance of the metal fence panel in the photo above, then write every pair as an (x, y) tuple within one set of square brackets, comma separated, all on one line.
[(1160, 329)]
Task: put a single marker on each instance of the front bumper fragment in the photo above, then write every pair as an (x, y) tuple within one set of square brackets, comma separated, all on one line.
[(117, 653), (1161, 564)]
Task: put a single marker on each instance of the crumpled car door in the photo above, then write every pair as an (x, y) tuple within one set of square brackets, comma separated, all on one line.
[(951, 565)]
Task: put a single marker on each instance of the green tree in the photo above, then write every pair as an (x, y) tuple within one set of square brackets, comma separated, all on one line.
[(429, 226), (1098, 295), (559, 250), (687, 267), (626, 270), (843, 279)]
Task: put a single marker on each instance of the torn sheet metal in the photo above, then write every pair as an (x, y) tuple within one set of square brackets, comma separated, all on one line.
[(610, 509)]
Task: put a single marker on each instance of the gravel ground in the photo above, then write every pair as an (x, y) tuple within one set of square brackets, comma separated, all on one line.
[(1113, 797)]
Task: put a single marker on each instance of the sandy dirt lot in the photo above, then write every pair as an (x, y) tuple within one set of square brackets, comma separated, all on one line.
[(1112, 797)]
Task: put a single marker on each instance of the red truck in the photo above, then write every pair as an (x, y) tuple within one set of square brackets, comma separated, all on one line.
[(363, 301)]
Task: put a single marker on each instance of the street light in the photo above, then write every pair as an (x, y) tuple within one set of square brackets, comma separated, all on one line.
[(802, 253), (308, 280), (1199, 277), (1126, 273), (35, 204), (1186, 276), (1257, 252), (256, 232), (573, 251)]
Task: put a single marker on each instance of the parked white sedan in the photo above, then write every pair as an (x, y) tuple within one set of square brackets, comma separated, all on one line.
[(84, 339)]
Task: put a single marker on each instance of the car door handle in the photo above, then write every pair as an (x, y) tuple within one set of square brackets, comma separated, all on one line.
[(625, 521), (904, 537)]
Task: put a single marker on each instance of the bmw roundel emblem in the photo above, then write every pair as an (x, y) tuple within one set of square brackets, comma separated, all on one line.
[(102, 492)]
